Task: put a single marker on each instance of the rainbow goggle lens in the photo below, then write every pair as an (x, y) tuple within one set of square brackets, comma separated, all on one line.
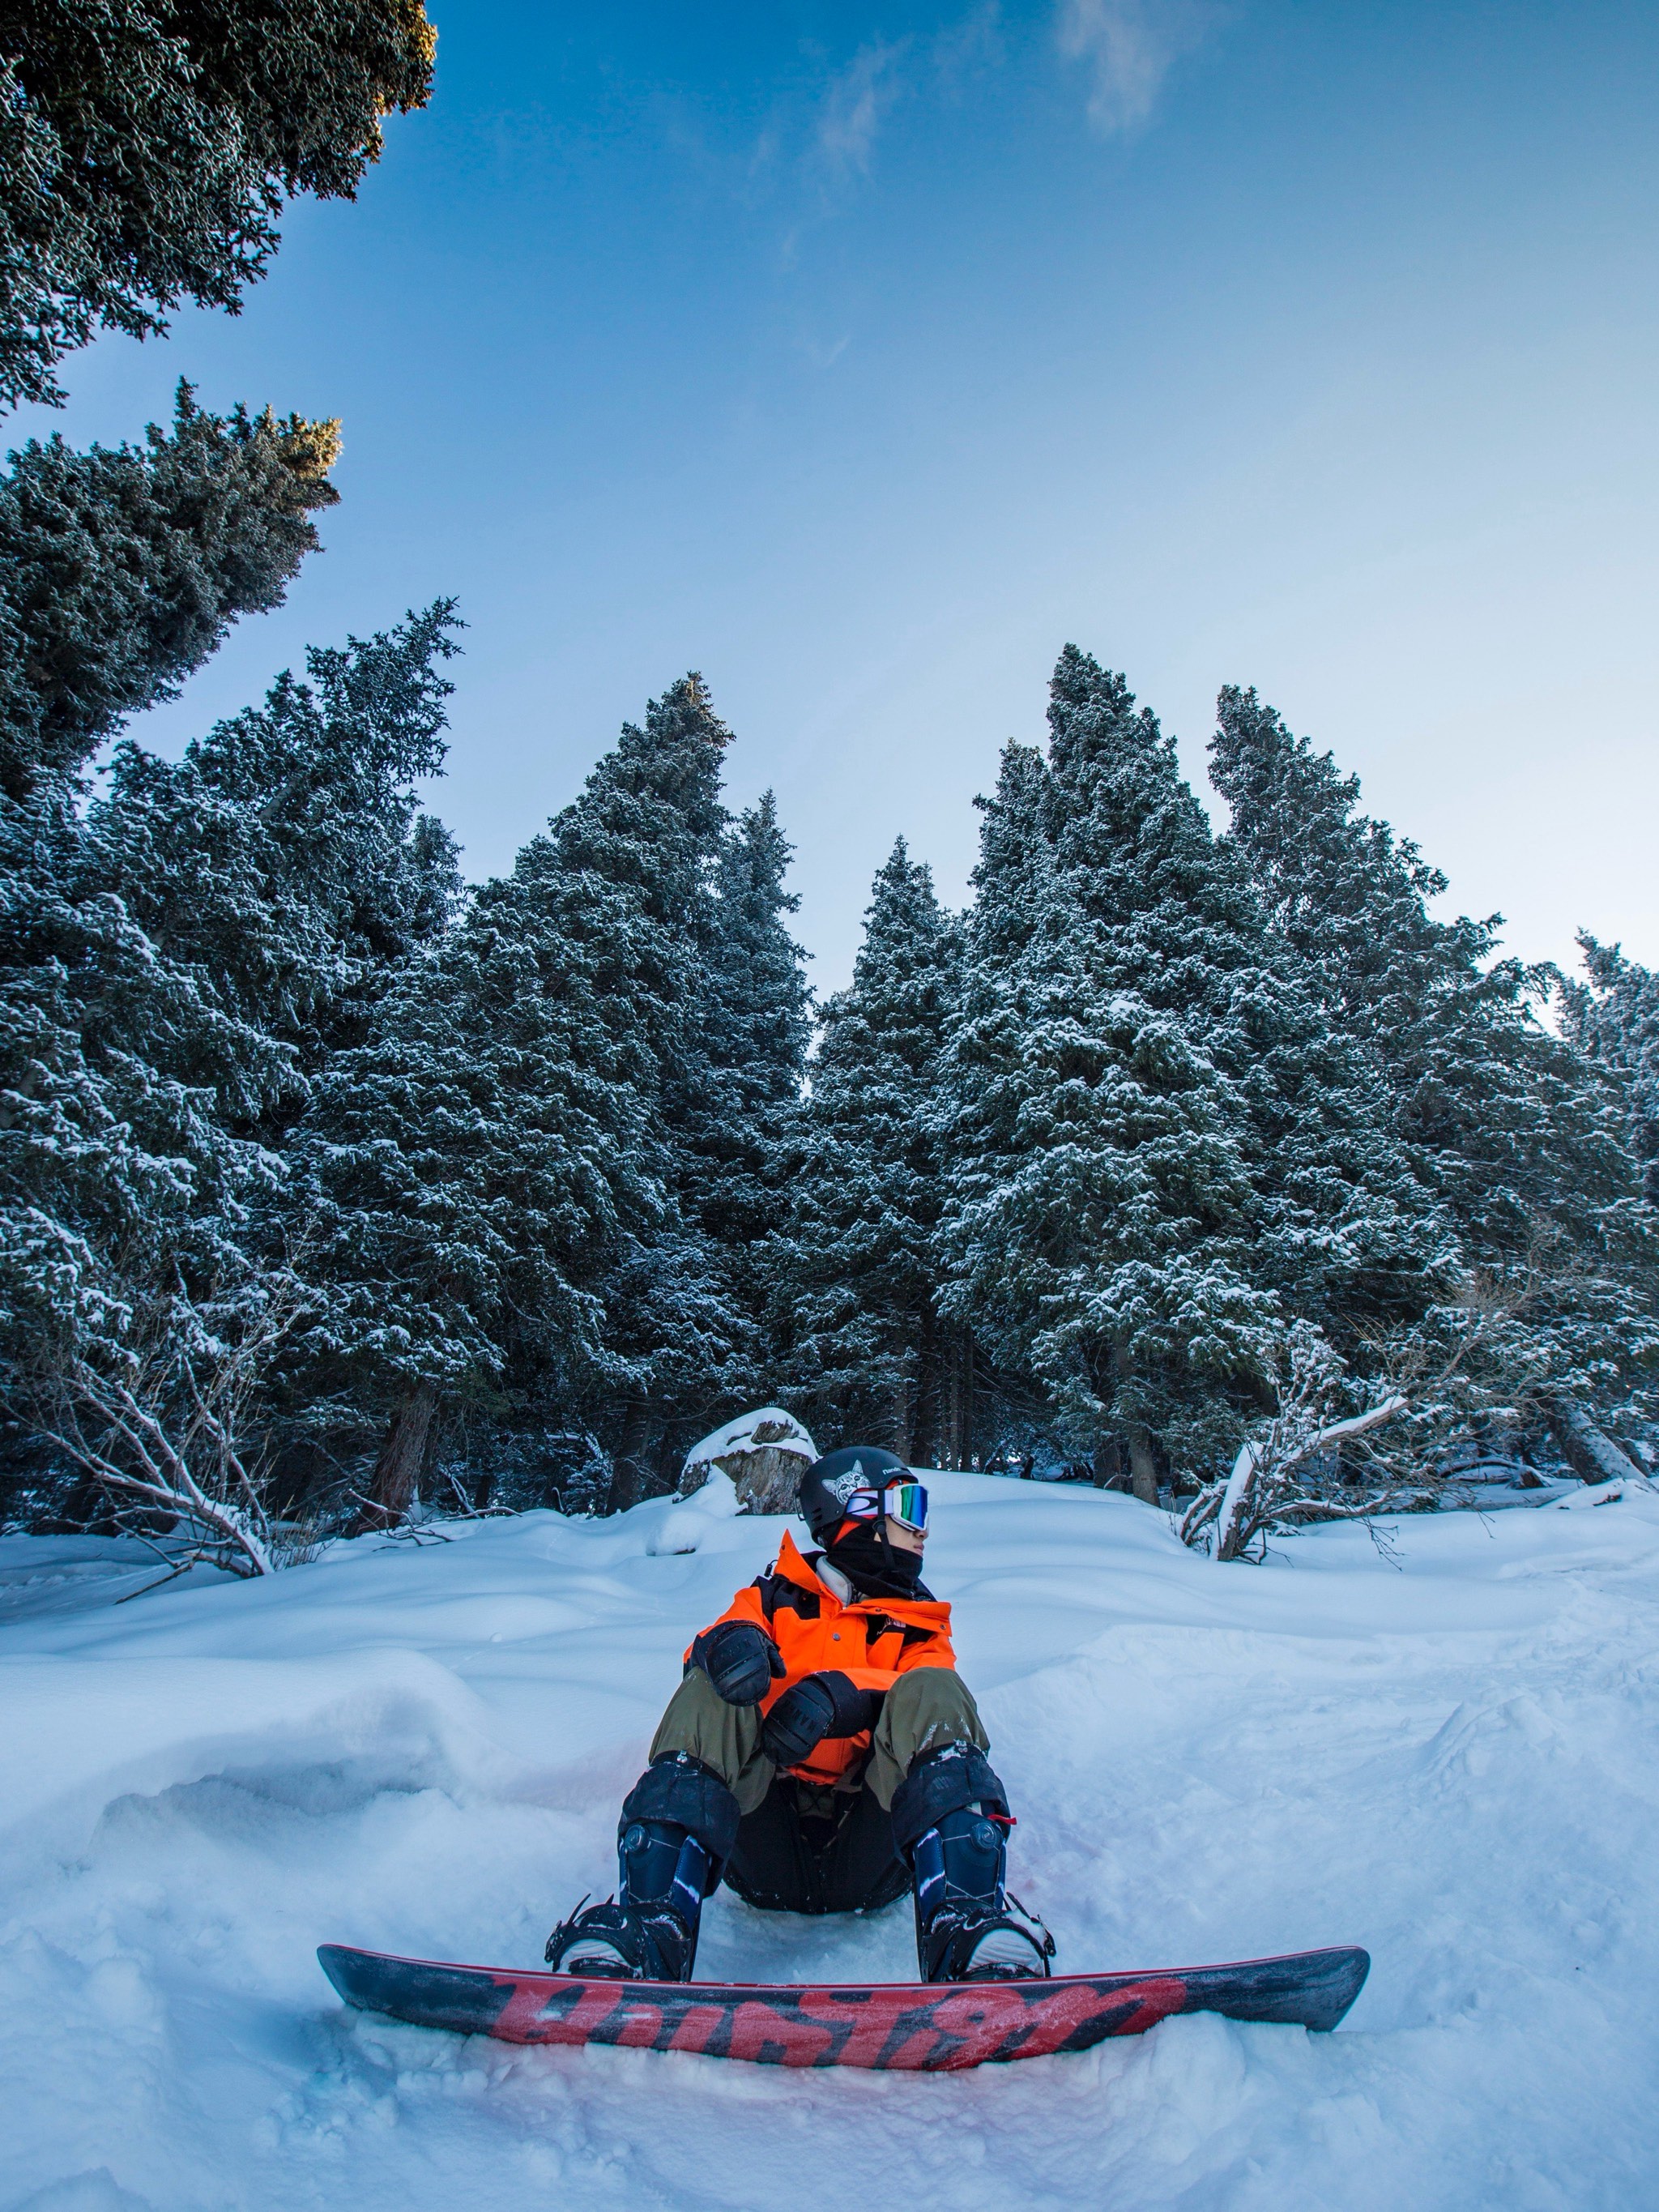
[(905, 1502)]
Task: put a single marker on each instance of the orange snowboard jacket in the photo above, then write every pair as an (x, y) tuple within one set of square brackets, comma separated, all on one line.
[(871, 1640)]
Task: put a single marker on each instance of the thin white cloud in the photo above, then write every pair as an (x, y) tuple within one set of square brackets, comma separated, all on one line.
[(974, 42), (1129, 47), (854, 103)]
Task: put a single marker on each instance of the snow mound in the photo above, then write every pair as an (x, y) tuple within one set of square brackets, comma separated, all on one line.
[(683, 1527), (1446, 1751), (1608, 1493)]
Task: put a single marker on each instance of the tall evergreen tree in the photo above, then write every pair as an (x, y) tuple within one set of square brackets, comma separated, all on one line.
[(286, 857), (466, 1185), (1612, 1017), (631, 866), (1159, 1150), (1512, 1128), (115, 1166), (176, 962), (743, 1085), (494, 1179), (1497, 1115), (121, 569), (858, 1264), (146, 147)]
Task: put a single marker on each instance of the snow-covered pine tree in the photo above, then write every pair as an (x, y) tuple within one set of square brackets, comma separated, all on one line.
[(493, 1179), (1089, 1151), (178, 962), (1013, 880), (145, 150), (124, 1201), (1520, 1139), (1159, 1150), (119, 1186), (1499, 1115), (1614, 1019), (633, 865), (285, 858), (122, 568), (739, 1121), (284, 865), (857, 1268), (460, 1184), (998, 1402), (175, 963)]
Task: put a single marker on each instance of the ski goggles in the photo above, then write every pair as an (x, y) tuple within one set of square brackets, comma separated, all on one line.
[(903, 1501)]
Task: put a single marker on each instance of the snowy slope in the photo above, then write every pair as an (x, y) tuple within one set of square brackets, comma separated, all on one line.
[(1450, 1760)]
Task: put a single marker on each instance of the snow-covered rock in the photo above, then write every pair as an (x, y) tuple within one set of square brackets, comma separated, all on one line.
[(762, 1452)]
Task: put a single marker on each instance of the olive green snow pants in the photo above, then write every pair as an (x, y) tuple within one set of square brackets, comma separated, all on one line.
[(924, 1710)]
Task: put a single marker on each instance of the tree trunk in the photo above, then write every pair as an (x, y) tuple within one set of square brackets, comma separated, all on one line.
[(928, 1441), (950, 1414), (399, 1467), (900, 1443), (958, 1443), (631, 1473), (1108, 1466), (1592, 1455), (1143, 1468)]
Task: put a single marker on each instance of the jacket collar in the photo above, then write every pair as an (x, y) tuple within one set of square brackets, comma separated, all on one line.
[(840, 1586), (926, 1612), (794, 1569)]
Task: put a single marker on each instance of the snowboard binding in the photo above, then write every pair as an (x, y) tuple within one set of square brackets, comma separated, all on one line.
[(613, 1942), (967, 1927), (962, 1944), (648, 1931)]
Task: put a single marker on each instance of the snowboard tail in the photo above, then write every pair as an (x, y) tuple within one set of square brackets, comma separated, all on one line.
[(921, 2027)]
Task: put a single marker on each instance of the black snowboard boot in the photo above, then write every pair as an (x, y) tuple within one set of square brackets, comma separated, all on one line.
[(967, 1927), (950, 1821), (678, 1824), (649, 1933)]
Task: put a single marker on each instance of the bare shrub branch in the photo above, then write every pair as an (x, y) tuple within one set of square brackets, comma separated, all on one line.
[(159, 1414), (1302, 1465)]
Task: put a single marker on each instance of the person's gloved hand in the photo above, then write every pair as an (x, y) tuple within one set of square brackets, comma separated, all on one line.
[(740, 1660), (819, 1705)]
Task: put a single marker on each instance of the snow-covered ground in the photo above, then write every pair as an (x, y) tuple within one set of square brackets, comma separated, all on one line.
[(1450, 1758)]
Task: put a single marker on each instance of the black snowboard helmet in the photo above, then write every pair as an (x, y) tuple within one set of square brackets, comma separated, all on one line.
[(830, 1482)]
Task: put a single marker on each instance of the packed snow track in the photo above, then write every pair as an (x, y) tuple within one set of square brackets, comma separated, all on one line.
[(1444, 1749)]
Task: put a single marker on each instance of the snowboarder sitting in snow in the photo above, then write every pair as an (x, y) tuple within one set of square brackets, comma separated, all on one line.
[(821, 1755)]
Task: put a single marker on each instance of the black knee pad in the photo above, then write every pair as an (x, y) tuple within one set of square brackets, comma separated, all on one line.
[(679, 1787), (943, 1782)]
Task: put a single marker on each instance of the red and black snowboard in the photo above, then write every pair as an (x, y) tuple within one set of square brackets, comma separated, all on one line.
[(918, 2027)]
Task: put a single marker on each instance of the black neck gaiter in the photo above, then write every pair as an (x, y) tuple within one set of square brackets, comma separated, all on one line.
[(875, 1570)]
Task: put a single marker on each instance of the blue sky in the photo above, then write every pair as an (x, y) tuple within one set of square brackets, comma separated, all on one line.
[(861, 357)]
